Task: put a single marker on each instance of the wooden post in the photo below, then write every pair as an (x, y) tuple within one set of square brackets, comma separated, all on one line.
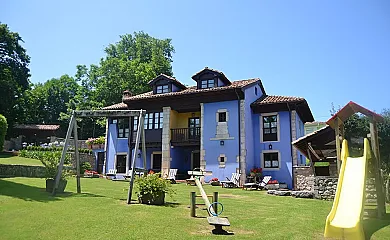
[(215, 199), (64, 151), (338, 147), (192, 204), (77, 156), (140, 122), (377, 166)]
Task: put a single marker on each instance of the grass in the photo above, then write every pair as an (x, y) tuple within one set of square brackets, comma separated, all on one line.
[(7, 158), (101, 212)]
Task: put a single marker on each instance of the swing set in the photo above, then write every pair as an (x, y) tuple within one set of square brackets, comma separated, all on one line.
[(103, 113)]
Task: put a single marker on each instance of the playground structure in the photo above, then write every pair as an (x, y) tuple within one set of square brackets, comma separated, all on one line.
[(345, 218), (103, 113), (212, 208)]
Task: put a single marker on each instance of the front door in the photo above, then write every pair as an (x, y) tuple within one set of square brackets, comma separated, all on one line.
[(156, 162), (195, 163), (100, 160), (193, 128), (121, 163)]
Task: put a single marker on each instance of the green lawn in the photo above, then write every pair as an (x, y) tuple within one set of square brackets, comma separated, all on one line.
[(6, 158), (101, 212)]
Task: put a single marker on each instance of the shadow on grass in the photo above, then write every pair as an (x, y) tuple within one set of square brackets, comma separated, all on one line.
[(6, 155), (31, 193), (373, 224)]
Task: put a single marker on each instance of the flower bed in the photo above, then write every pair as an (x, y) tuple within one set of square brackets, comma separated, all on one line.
[(91, 174), (215, 182)]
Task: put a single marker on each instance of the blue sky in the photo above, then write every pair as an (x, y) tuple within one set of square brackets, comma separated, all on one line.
[(325, 51)]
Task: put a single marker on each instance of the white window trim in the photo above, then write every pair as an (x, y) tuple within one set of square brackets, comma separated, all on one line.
[(262, 160), (152, 158), (121, 154), (261, 126), (222, 164)]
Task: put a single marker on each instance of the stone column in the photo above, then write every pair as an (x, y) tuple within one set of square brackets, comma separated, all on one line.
[(202, 150), (242, 142), (166, 142), (294, 136)]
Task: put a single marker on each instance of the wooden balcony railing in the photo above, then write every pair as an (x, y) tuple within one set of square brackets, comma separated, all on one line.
[(185, 135)]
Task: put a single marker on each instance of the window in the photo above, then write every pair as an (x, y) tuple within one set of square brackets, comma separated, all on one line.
[(162, 89), (256, 91), (158, 120), (222, 159), (207, 83), (222, 117), (271, 160), (153, 120), (135, 123), (270, 128), (123, 127)]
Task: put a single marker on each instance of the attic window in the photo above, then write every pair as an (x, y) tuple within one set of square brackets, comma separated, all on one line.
[(207, 83), (162, 89)]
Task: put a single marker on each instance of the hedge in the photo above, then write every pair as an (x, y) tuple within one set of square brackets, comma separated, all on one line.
[(3, 131)]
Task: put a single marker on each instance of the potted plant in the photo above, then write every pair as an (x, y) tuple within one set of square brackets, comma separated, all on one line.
[(96, 143), (151, 189), (50, 161), (214, 182), (256, 173)]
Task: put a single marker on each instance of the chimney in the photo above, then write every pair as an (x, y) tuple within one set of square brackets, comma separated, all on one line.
[(127, 94)]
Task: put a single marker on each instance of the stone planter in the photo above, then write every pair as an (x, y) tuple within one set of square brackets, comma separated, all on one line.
[(272, 186), (282, 185), (96, 146), (148, 199), (215, 183), (61, 185)]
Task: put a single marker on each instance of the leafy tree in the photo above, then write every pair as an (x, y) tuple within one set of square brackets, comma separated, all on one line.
[(14, 73), (3, 131)]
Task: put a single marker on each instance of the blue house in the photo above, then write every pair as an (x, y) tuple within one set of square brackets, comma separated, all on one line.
[(217, 125)]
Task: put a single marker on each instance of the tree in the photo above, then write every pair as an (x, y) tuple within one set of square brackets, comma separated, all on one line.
[(3, 131), (14, 73), (129, 65)]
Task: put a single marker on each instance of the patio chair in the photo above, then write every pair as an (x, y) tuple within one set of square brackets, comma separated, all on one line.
[(172, 175), (234, 181), (256, 186), (111, 173)]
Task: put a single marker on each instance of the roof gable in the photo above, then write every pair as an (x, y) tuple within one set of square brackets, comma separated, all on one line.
[(165, 79), (209, 73)]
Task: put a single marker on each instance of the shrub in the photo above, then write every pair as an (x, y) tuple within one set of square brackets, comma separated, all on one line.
[(84, 167), (152, 184), (3, 131), (44, 155)]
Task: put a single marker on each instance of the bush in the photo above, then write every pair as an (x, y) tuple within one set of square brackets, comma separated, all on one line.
[(152, 184), (85, 166), (56, 149), (42, 155), (3, 131)]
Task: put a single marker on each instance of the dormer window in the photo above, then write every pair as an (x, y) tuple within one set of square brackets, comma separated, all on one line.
[(210, 83), (162, 89)]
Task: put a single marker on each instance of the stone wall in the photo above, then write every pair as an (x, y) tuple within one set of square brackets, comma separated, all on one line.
[(21, 171), (304, 178), (84, 157), (325, 187)]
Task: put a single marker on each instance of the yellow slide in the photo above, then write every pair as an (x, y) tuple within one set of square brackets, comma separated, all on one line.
[(345, 219)]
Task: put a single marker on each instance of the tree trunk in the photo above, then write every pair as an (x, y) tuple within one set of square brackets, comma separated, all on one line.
[(387, 194)]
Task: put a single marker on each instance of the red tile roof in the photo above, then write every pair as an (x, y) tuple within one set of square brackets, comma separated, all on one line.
[(193, 90), (44, 127), (116, 106), (189, 90), (276, 99)]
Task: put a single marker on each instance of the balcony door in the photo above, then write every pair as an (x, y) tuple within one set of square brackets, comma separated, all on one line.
[(193, 128)]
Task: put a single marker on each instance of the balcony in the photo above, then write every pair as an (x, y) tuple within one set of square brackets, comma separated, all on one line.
[(185, 136)]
